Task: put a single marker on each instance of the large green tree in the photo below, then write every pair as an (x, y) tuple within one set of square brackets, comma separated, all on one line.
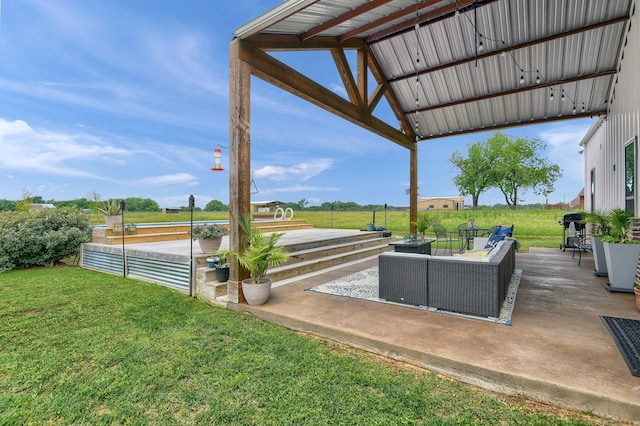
[(513, 165), (518, 166), (476, 174)]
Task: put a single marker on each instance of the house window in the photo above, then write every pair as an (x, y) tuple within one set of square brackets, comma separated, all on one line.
[(445, 206), (432, 206), (593, 189), (630, 175)]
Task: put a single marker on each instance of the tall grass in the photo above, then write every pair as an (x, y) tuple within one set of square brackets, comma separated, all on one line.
[(533, 228)]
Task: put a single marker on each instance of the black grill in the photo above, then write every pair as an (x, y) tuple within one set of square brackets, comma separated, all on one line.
[(578, 220)]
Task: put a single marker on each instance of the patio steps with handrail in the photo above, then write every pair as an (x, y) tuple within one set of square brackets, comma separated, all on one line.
[(308, 257)]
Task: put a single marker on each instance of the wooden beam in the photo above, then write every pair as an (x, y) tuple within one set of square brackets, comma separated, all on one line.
[(286, 78), (515, 91), (353, 13), (344, 70), (363, 80), (413, 188), (239, 165), (426, 19), (375, 69), (513, 48), (589, 114), (286, 42)]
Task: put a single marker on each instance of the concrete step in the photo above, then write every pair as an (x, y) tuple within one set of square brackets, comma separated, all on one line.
[(314, 256), (305, 267), (335, 248)]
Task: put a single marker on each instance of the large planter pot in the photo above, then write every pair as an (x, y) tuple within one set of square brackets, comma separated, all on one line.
[(598, 256), (222, 274), (209, 244), (256, 294), (622, 261), (110, 220)]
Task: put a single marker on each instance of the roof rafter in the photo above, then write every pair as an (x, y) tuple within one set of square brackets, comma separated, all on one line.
[(426, 19), (515, 91), (530, 43), (519, 123), (373, 4), (280, 75)]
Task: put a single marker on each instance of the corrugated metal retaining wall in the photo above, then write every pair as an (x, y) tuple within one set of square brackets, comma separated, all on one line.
[(167, 269)]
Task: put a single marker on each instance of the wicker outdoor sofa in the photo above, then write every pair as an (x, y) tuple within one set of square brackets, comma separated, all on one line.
[(458, 284)]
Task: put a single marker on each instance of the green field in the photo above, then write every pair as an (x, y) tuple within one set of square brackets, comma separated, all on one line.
[(533, 228)]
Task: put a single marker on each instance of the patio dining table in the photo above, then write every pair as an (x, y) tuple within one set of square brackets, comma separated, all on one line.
[(468, 234)]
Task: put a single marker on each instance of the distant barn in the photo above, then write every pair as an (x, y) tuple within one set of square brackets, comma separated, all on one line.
[(441, 203)]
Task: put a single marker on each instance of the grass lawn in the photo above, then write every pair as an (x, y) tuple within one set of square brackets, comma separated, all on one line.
[(81, 347)]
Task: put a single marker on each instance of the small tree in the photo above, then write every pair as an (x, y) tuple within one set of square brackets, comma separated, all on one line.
[(216, 206), (476, 174)]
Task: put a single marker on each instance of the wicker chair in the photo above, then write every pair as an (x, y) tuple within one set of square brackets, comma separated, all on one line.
[(442, 235)]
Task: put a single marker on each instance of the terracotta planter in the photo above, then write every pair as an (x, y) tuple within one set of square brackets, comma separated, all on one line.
[(110, 220), (256, 294), (210, 244)]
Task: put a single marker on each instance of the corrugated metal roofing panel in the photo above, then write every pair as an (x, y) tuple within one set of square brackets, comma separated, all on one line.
[(534, 35)]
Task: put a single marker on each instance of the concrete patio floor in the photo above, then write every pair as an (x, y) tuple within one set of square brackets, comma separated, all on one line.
[(557, 349)]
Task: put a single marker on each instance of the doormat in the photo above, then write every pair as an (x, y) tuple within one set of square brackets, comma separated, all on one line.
[(626, 334), (364, 285)]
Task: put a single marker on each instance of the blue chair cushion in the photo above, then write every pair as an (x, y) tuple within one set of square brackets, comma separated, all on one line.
[(493, 241)]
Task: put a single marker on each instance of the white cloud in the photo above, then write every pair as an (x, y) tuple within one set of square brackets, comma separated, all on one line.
[(301, 171), (173, 179), (338, 89), (24, 148), (305, 188), (563, 145)]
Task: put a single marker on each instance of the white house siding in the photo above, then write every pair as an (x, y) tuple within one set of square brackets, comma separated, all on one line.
[(604, 145)]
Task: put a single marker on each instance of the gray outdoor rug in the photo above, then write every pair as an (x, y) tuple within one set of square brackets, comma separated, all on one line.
[(364, 285)]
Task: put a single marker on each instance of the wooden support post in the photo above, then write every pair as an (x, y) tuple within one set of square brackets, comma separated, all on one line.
[(239, 164), (413, 188)]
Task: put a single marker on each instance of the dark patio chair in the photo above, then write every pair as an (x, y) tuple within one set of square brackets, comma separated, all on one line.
[(442, 235)]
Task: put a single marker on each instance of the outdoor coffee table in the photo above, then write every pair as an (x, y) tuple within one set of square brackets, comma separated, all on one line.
[(417, 246)]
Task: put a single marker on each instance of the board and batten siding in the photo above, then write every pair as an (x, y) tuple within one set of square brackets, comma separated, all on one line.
[(605, 141)]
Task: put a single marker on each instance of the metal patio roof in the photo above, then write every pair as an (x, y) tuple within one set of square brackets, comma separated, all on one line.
[(450, 67)]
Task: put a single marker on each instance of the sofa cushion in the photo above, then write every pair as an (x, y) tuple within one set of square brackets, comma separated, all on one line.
[(473, 254)]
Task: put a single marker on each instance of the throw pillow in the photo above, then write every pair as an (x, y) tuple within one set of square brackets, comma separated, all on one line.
[(493, 241), (506, 231)]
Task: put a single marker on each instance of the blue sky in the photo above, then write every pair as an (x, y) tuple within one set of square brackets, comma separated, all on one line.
[(128, 98)]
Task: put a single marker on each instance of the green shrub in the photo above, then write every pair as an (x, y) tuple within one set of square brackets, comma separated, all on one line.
[(41, 237)]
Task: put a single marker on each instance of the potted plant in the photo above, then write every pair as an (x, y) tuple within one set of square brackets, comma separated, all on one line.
[(260, 253), (603, 229), (621, 254), (422, 224), (212, 261), (222, 268), (209, 236), (111, 211)]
